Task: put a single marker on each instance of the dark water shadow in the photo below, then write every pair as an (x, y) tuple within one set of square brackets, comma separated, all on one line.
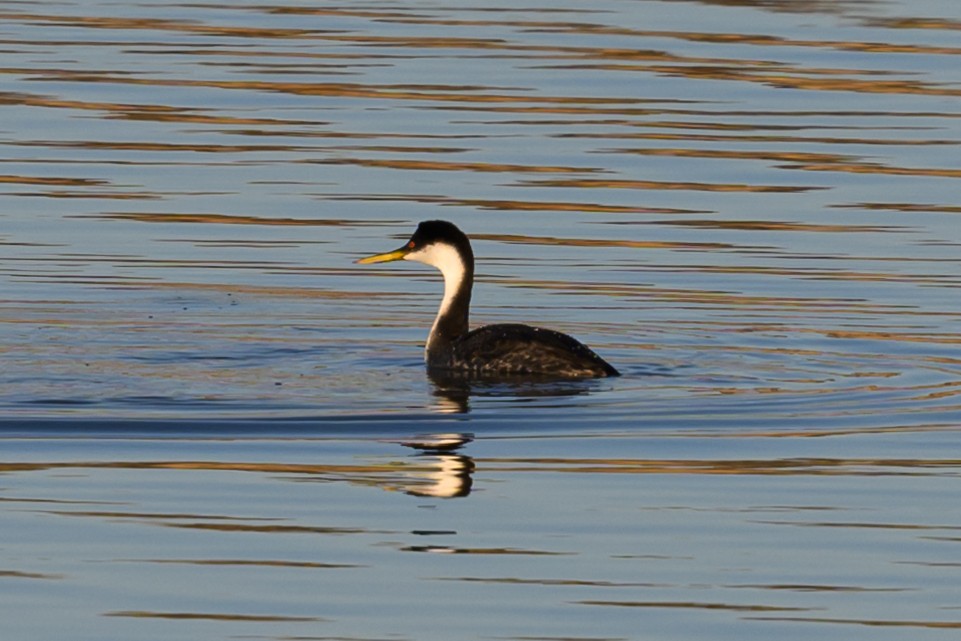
[(455, 390)]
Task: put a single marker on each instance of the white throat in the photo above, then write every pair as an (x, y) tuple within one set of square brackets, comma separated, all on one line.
[(447, 259)]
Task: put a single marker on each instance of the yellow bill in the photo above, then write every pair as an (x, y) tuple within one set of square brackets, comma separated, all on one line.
[(397, 254)]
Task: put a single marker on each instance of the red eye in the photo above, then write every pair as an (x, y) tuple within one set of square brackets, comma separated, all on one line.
[(411, 244)]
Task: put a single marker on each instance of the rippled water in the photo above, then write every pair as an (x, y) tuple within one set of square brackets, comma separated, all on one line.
[(750, 208)]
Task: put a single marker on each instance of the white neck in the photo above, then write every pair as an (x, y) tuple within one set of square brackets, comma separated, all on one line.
[(447, 259)]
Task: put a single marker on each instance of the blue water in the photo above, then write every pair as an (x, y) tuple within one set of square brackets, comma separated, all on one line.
[(207, 411)]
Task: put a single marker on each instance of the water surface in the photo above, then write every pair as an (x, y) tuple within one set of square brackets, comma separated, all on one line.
[(751, 209)]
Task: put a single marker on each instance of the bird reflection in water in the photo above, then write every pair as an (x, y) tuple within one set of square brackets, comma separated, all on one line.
[(454, 391), (448, 474)]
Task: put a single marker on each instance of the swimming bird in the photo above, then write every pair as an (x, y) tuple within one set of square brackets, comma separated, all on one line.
[(493, 351)]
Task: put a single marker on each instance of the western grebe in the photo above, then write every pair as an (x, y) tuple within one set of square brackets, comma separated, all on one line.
[(494, 350)]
